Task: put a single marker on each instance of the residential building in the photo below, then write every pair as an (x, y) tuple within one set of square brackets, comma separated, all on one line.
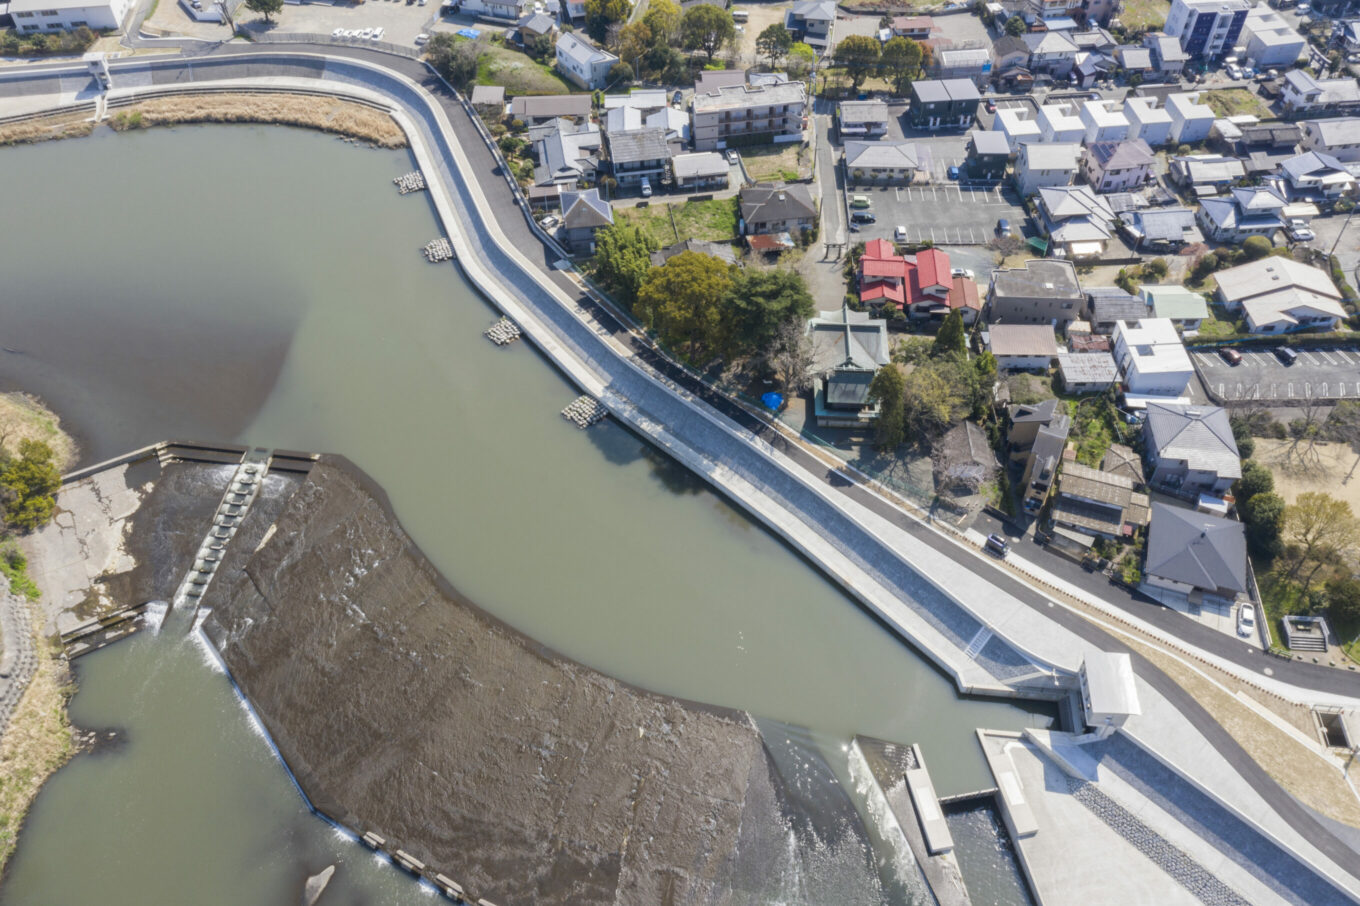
[(891, 163), (643, 100), (1014, 124), (1182, 307), (1279, 295), (1078, 222), (504, 10), (1191, 449), (1122, 460), (862, 119), (918, 28), (1168, 58), (1061, 123), (921, 285), (1104, 121), (943, 104), (674, 122), (533, 26), (540, 109), (1264, 146), (700, 170), (1087, 372), (567, 154), (744, 115), (1089, 67), (848, 348), (1338, 137), (1160, 229), (1206, 29), (1269, 39), (1148, 123), (1103, 504), (1195, 554), (811, 22), (1044, 291), (1009, 52), (972, 63), (713, 79), (584, 213), (1110, 305), (1205, 174), (1303, 94), (1022, 347), (777, 209), (1042, 462), (489, 99), (1152, 358), (1041, 164), (1026, 419), (1317, 177), (637, 155), (582, 62), (988, 154), (1190, 120), (720, 250), (1051, 52), (1118, 166), (1244, 212), (66, 15), (1135, 61)]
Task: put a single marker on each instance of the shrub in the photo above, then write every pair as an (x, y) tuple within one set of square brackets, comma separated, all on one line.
[(1256, 247)]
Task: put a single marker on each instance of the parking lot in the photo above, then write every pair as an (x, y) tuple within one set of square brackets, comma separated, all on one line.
[(1319, 374), (946, 214)]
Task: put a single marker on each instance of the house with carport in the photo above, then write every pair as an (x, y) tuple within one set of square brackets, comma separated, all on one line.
[(1190, 449), (1195, 555)]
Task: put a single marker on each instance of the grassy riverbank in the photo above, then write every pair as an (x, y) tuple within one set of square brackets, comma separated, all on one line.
[(37, 741), (46, 128), (325, 114), (24, 418)]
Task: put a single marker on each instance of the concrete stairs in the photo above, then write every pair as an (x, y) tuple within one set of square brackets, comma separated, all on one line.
[(240, 494)]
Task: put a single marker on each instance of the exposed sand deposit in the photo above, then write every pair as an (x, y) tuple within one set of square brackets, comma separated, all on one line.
[(325, 114)]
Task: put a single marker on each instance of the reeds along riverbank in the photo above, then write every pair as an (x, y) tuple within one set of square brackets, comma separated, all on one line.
[(45, 128), (325, 114)]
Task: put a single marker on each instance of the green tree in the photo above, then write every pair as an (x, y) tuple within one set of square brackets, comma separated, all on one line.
[(773, 43), (1015, 26), (1256, 479), (663, 19), (887, 390), (858, 54), (949, 340), (900, 63), (634, 40), (623, 259), (1242, 436), (1157, 268), (1323, 528), (539, 47), (684, 302), (1343, 600), (266, 8), (762, 300), (600, 14), (29, 483), (801, 59), (933, 398), (454, 58), (1263, 514), (1254, 247), (620, 74), (707, 28), (984, 383)]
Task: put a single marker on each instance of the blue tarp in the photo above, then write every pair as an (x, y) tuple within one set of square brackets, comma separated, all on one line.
[(772, 400), (468, 33)]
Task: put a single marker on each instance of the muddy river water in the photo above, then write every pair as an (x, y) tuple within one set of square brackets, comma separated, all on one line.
[(265, 285)]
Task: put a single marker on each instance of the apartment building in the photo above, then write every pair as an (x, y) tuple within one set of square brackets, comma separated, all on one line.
[(743, 115)]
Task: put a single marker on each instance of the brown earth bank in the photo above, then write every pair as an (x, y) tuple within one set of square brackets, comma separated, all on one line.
[(404, 709)]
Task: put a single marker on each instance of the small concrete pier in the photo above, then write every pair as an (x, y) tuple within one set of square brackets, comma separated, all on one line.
[(503, 332), (410, 182), (584, 411), (437, 250)]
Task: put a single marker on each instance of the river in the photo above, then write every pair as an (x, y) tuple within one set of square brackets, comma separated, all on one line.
[(265, 284)]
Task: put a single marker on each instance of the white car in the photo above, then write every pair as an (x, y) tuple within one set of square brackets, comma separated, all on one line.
[(962, 272), (549, 222), (900, 234), (366, 33), (422, 38), (338, 33), (377, 34), (1299, 231), (1246, 620)]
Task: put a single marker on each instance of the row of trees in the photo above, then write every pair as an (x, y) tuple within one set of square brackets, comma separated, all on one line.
[(941, 386), (899, 61), (703, 307)]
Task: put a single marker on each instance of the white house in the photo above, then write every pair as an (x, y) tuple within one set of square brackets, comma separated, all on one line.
[(1152, 358), (65, 15), (1279, 295), (1190, 120), (881, 162), (1269, 39), (1245, 212), (1315, 175), (1147, 121), (1207, 29), (584, 63), (1104, 121), (1118, 166), (1022, 347), (1041, 164), (1016, 127), (1058, 123), (1301, 93), (1338, 137)]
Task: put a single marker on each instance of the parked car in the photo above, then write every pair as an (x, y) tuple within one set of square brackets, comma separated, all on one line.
[(1299, 231), (422, 38), (1230, 355), (953, 172), (1003, 227), (859, 201), (678, 98), (997, 545), (646, 187), (378, 33), (550, 222), (863, 217), (1234, 71), (1286, 355), (732, 156), (991, 106), (962, 272), (900, 234), (1246, 620)]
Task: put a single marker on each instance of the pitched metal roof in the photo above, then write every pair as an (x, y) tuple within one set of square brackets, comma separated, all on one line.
[(760, 204), (1021, 340), (638, 145), (585, 209), (1123, 155), (1200, 436), (878, 155), (1200, 550)]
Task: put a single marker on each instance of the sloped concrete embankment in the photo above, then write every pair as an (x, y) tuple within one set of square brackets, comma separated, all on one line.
[(403, 709)]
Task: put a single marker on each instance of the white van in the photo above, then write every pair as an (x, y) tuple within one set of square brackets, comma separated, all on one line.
[(740, 15), (646, 187)]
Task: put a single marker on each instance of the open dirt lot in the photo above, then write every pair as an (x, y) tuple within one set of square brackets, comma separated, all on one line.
[(1332, 471), (762, 16)]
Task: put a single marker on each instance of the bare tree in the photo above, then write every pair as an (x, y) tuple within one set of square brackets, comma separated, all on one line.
[(790, 356), (1304, 434)]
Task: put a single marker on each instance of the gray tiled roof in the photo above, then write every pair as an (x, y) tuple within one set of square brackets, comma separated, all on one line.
[(585, 210), (638, 145), (1201, 436), (1198, 549), (762, 204)]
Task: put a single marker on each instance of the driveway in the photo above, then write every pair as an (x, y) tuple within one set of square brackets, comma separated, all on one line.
[(1319, 374), (947, 214)]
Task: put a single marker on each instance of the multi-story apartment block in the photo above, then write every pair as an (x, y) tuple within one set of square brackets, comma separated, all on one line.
[(1207, 29), (744, 115)]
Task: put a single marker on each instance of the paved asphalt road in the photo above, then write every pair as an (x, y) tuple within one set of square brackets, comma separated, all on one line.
[(513, 222)]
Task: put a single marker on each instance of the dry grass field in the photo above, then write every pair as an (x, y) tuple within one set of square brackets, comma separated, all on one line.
[(1334, 471), (325, 114)]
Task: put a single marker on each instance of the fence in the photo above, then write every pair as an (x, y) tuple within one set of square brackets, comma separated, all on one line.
[(411, 53)]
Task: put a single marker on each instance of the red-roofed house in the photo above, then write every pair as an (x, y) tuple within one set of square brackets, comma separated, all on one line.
[(923, 286)]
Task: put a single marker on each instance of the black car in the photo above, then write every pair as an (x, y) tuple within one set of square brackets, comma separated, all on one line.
[(1286, 355), (863, 217), (1003, 227)]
